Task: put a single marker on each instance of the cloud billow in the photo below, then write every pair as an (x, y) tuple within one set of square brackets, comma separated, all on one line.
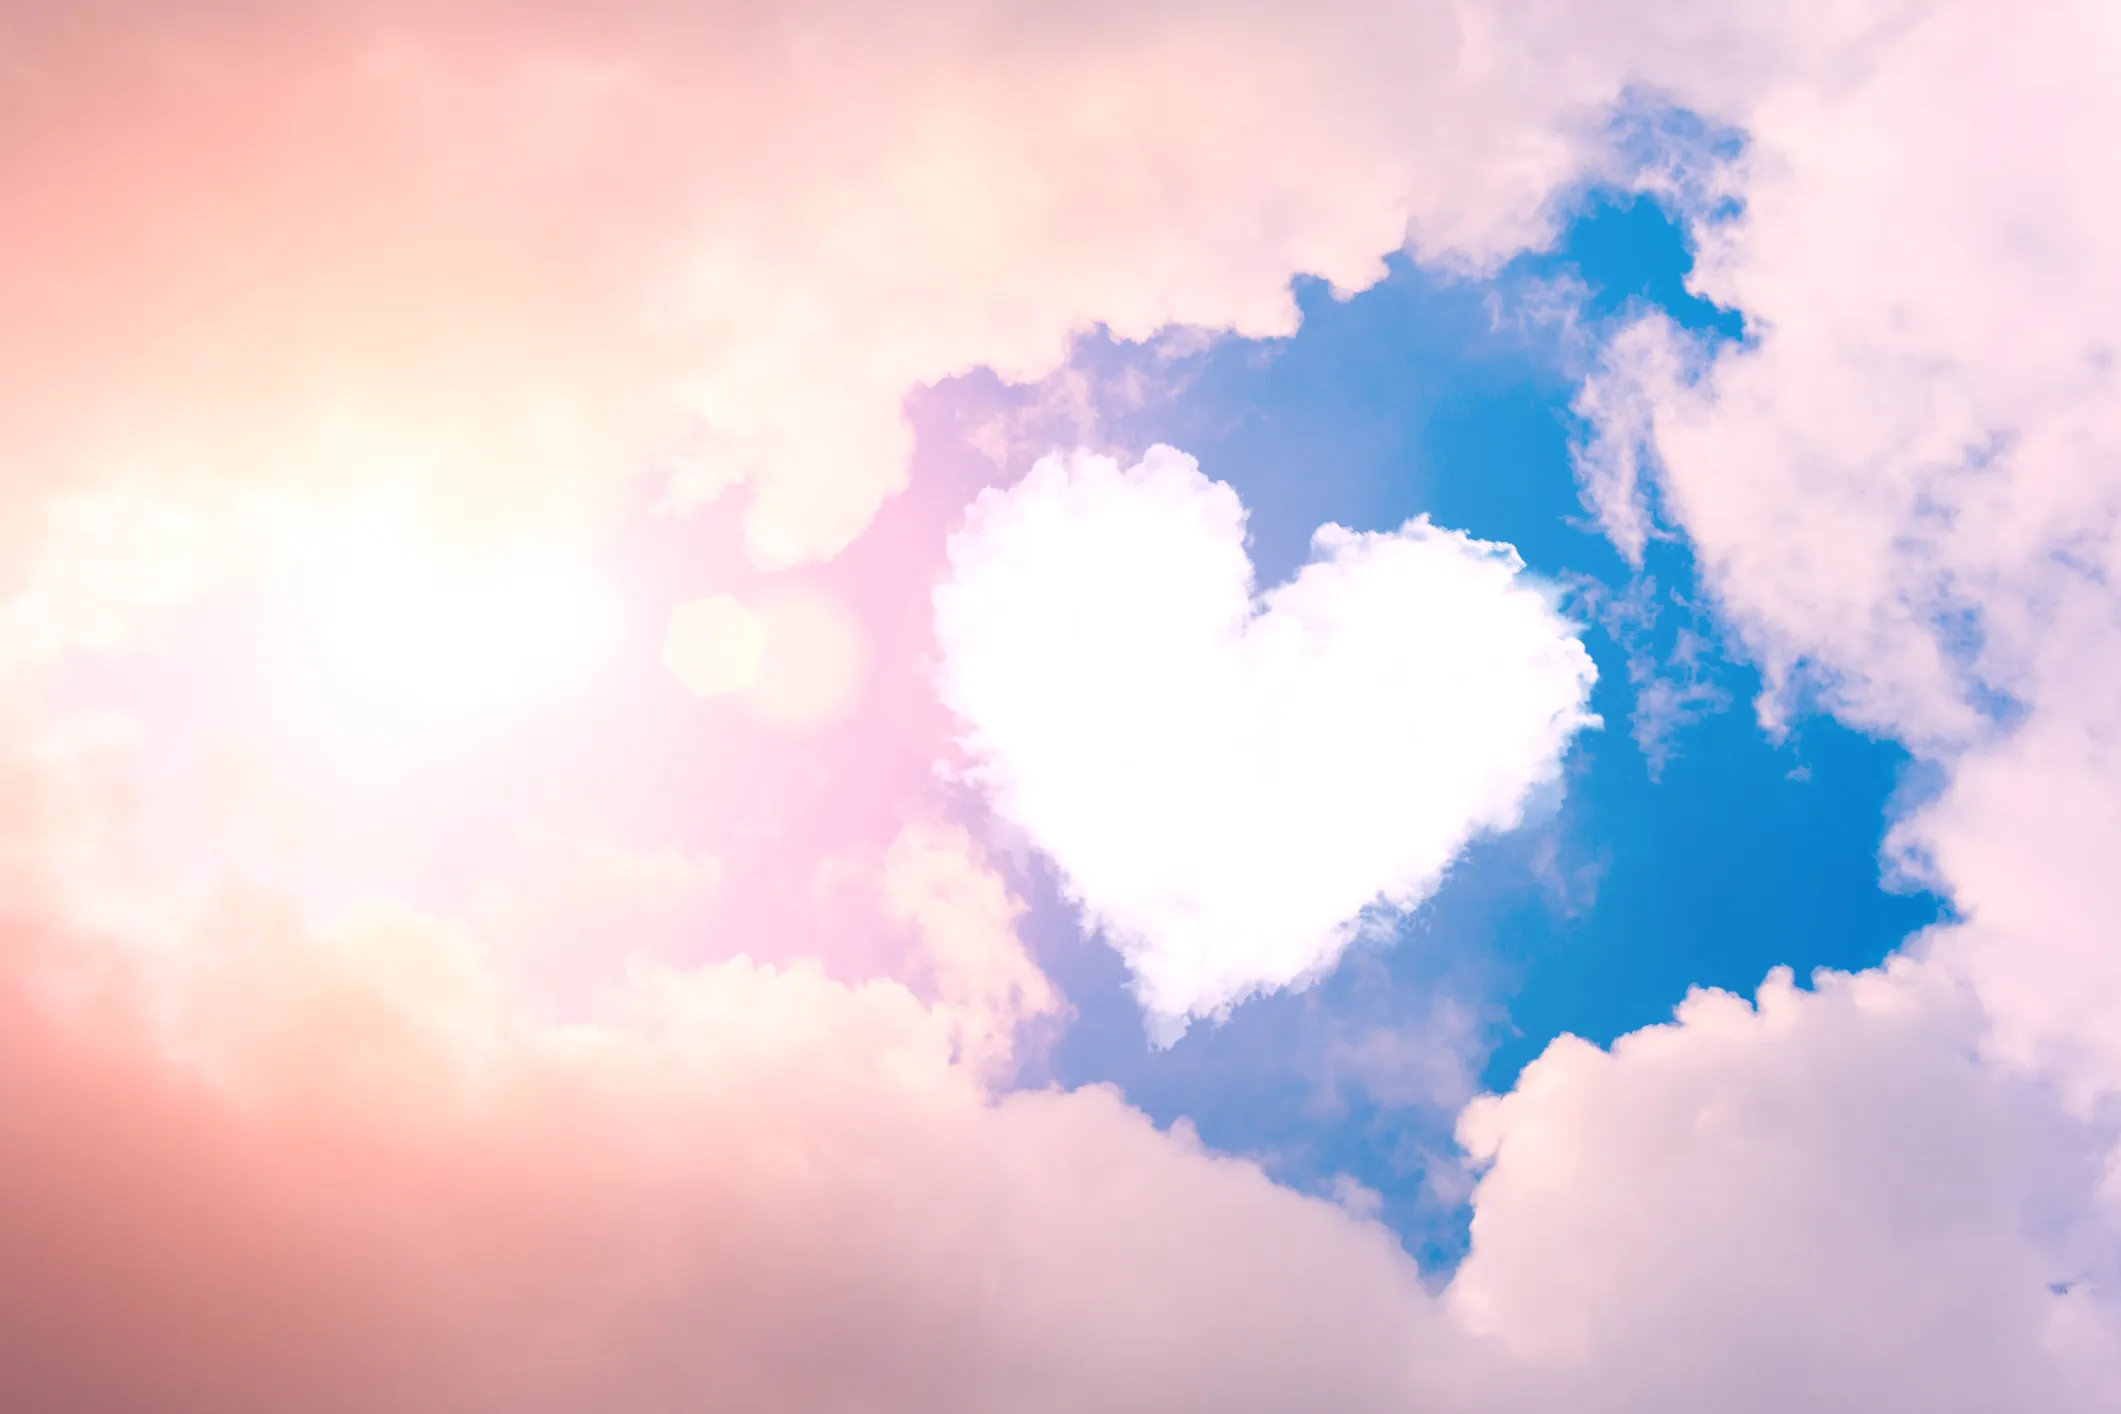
[(275, 274), (1230, 782)]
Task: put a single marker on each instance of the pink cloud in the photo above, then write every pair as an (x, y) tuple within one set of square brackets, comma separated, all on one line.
[(292, 1118), (373, 1185), (351, 245), (1904, 490), (766, 1188)]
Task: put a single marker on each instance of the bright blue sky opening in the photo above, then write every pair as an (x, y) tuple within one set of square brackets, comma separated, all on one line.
[(1704, 863)]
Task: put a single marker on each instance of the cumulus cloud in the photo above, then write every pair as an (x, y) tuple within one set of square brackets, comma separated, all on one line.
[(508, 255), (495, 259), (375, 1183), (502, 258), (1904, 489), (304, 1171), (1821, 1201), (935, 882), (1228, 779)]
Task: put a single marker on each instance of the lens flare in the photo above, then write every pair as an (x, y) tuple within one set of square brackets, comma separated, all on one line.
[(714, 645)]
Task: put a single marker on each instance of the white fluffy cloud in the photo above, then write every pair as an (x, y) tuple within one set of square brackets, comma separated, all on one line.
[(1227, 778), (1905, 490), (493, 252), (1825, 1202)]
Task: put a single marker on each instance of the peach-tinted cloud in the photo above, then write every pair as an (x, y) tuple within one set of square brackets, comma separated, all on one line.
[(285, 1127), (481, 253), (367, 1183), (934, 882), (370, 1183)]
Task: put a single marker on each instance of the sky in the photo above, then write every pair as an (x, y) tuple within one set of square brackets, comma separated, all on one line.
[(996, 707)]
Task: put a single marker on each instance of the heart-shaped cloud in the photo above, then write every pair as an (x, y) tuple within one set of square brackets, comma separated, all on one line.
[(1231, 782)]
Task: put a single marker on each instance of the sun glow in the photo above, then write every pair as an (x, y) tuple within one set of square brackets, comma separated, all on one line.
[(405, 628)]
